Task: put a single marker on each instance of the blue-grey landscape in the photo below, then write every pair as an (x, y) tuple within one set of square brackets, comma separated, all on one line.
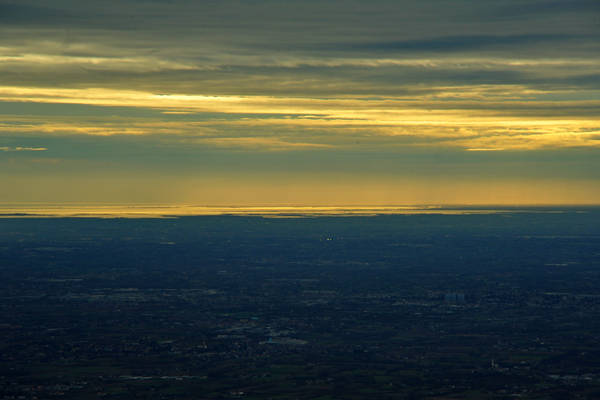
[(470, 305)]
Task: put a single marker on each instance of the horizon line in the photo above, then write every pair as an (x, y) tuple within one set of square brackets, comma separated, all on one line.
[(62, 210)]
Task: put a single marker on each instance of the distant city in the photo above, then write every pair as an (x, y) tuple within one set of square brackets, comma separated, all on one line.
[(481, 305)]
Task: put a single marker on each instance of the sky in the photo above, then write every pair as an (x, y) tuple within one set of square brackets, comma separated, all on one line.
[(263, 102)]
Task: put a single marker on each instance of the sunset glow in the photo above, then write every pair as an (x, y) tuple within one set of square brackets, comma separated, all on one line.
[(385, 96)]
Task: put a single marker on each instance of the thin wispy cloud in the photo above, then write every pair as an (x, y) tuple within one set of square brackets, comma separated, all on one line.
[(19, 148)]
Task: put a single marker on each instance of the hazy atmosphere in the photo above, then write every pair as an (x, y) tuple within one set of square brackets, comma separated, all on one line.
[(312, 102)]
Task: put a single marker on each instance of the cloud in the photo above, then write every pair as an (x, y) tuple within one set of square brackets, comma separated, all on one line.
[(19, 148), (464, 42), (24, 13), (537, 7), (485, 149), (261, 143)]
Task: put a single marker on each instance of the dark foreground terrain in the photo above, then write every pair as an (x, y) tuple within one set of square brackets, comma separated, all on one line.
[(495, 306)]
